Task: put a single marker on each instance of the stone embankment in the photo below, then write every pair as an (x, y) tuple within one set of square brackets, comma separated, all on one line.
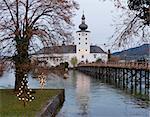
[(51, 109)]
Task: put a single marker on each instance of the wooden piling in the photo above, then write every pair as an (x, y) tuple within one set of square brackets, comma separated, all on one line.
[(129, 77)]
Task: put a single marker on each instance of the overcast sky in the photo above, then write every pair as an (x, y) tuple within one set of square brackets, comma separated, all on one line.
[(99, 18)]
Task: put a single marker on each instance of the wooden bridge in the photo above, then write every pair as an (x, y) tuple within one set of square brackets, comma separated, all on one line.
[(131, 77), (128, 65)]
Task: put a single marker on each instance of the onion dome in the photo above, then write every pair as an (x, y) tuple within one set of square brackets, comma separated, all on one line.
[(83, 26)]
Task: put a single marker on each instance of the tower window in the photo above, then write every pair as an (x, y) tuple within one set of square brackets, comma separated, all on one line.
[(94, 55), (79, 38), (82, 56), (86, 43), (85, 50), (85, 34), (79, 43), (79, 33), (79, 49), (85, 38)]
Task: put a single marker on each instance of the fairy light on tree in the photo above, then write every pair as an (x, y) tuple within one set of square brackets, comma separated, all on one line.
[(25, 92), (42, 79)]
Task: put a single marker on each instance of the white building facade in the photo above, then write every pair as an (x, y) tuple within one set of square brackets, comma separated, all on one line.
[(81, 49)]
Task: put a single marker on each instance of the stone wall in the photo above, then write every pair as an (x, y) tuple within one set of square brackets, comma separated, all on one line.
[(50, 110)]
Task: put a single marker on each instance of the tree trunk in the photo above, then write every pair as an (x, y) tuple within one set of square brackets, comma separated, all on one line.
[(21, 63), (19, 74), (20, 70)]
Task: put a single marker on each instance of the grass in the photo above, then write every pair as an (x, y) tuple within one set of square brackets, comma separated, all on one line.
[(10, 106)]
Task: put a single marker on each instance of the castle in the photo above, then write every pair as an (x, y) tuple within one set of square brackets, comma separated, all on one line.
[(81, 48)]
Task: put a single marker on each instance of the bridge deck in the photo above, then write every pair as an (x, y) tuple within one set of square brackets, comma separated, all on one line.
[(127, 65)]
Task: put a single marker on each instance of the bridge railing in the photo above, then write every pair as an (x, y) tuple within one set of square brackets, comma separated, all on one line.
[(135, 65)]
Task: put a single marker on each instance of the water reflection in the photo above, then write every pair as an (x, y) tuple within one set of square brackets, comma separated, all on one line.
[(7, 80), (86, 96), (82, 95)]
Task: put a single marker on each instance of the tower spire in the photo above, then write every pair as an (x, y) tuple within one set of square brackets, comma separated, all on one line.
[(83, 26)]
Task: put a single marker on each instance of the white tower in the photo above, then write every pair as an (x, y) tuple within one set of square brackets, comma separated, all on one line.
[(83, 41)]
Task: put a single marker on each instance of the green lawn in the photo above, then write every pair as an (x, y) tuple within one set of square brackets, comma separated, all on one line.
[(10, 106)]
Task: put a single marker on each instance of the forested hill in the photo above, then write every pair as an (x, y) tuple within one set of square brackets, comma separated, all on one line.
[(139, 52)]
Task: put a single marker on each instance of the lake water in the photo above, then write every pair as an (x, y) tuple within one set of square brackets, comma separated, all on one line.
[(86, 96)]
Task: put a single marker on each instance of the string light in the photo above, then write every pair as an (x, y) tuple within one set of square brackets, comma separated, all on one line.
[(24, 91), (42, 80)]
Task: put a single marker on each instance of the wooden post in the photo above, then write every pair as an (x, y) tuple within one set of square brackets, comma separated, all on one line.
[(135, 81), (146, 82), (124, 75), (119, 78), (140, 82), (116, 76), (131, 86)]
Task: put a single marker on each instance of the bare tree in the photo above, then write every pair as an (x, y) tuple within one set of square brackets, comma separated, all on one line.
[(135, 25), (26, 24)]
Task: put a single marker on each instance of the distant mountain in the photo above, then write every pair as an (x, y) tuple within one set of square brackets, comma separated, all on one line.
[(136, 53)]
